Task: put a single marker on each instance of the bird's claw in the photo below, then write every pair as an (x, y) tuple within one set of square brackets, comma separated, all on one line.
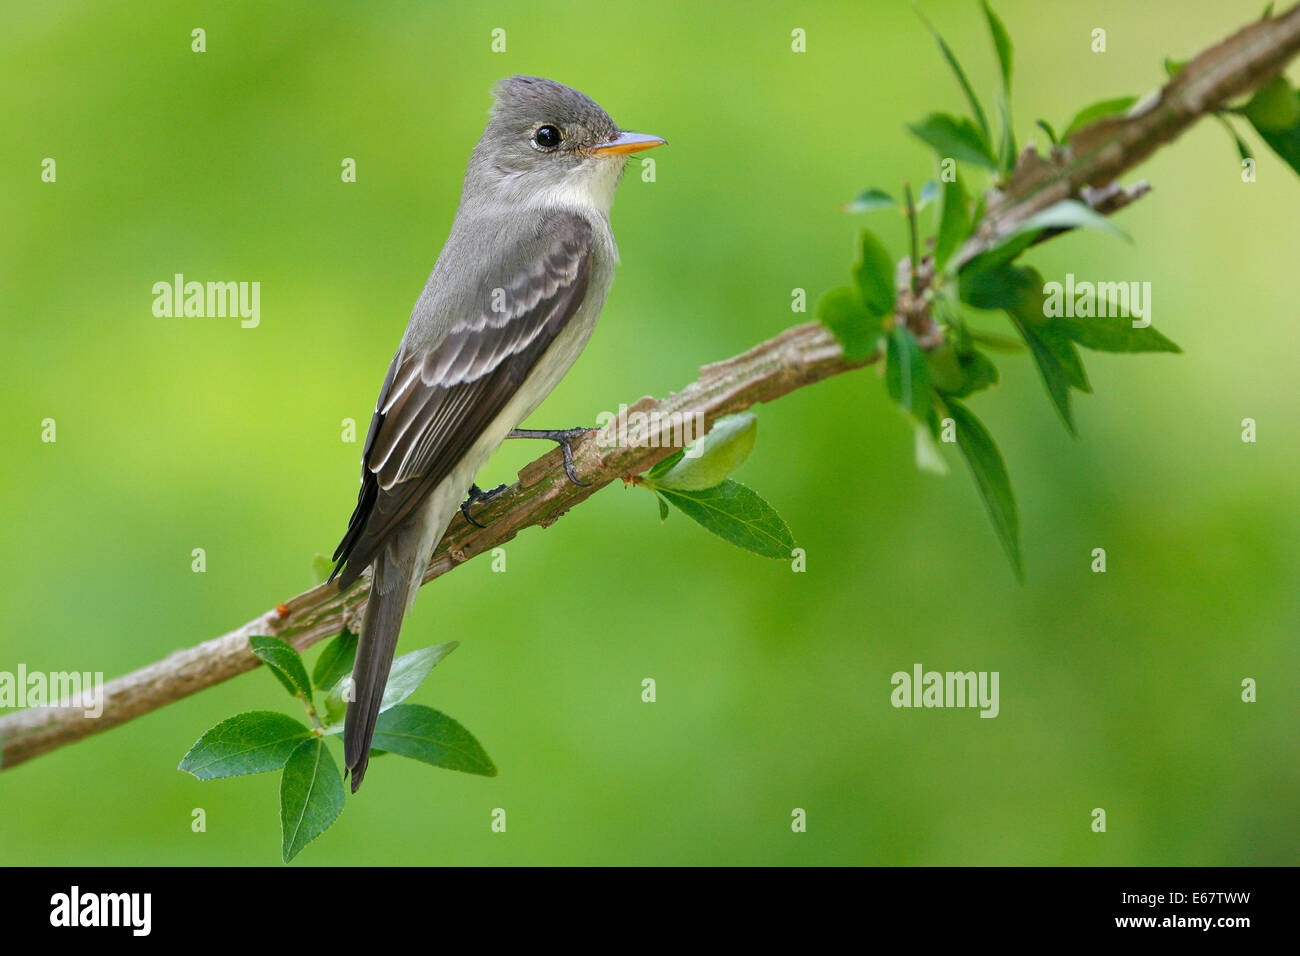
[(564, 438), (477, 495)]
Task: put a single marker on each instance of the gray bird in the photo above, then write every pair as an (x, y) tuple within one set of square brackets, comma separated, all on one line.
[(510, 304)]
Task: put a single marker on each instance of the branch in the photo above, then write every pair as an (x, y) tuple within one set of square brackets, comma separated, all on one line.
[(797, 357), (800, 356), (1087, 164)]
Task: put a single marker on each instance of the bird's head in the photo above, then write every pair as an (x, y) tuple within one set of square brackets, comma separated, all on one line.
[(548, 144)]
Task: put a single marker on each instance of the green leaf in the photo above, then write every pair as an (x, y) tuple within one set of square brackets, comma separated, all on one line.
[(311, 796), (906, 373), (998, 343), (955, 137), (1006, 251), (285, 663), (1007, 144), (843, 312), (336, 704), (1057, 341), (663, 508), (1001, 43), (1069, 214), (736, 514), (943, 366), (1011, 288), (1090, 114), (976, 110), (1115, 333), (253, 742), (869, 200), (874, 275), (711, 459), (1018, 290), (954, 223), (1053, 373), (1066, 214), (960, 373), (321, 568), (927, 452), (1174, 67), (335, 662), (666, 465), (409, 672), (422, 733), (1286, 143), (991, 478), (1047, 128), (1274, 106), (981, 373), (1268, 111)]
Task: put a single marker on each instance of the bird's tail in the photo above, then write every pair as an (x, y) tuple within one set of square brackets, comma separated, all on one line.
[(390, 589)]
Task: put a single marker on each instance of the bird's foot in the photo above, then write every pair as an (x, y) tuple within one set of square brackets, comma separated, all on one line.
[(477, 496), (564, 437)]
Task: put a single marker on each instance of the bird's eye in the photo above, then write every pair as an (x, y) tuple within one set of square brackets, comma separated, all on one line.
[(547, 137)]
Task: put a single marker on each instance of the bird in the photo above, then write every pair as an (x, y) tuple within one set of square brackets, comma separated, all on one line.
[(510, 304)]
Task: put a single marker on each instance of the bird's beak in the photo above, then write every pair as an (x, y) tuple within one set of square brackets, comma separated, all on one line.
[(627, 143)]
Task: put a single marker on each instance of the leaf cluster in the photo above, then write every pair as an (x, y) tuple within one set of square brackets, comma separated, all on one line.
[(931, 328), (311, 787), (695, 481)]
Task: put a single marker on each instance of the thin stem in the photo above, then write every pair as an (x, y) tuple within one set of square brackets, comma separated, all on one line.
[(916, 239)]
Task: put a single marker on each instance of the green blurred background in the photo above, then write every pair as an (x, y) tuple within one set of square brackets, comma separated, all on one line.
[(1118, 690)]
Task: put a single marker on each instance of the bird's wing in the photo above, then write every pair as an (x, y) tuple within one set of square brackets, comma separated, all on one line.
[(437, 401)]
